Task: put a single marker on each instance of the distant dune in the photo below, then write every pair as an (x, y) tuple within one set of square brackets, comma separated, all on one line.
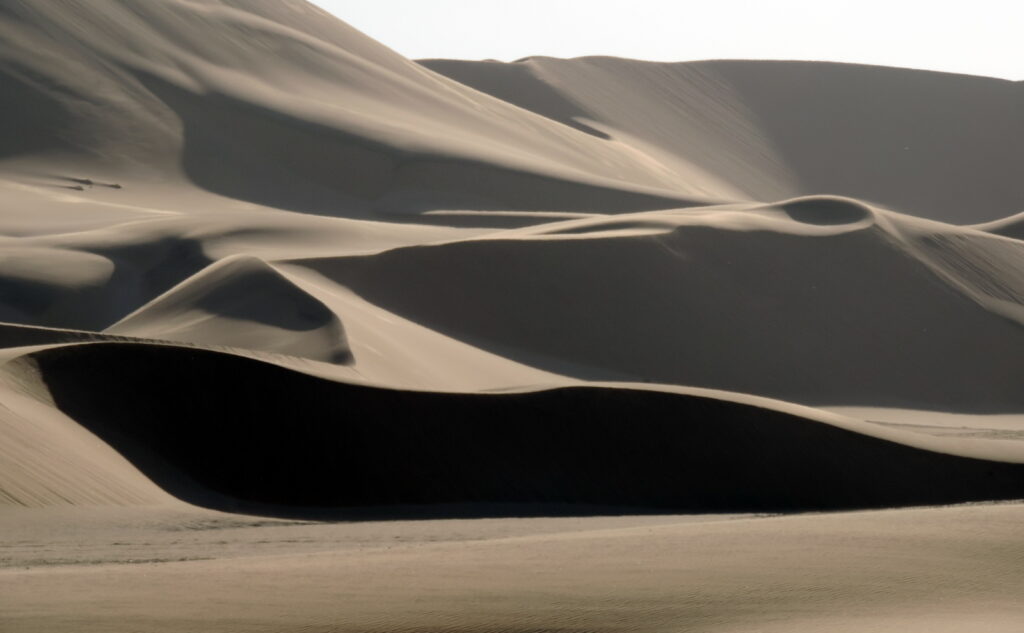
[(906, 139)]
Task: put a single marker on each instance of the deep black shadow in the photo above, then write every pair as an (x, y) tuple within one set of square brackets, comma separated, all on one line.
[(260, 434)]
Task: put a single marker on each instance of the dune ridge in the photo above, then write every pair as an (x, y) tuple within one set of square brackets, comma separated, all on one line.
[(51, 460), (365, 446), (1011, 226), (402, 129), (877, 320), (260, 180), (902, 138), (297, 334), (241, 302)]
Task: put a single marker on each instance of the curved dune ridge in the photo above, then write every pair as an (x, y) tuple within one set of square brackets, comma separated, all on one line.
[(334, 444), (1012, 226), (219, 86), (902, 138), (261, 259), (276, 95), (817, 303), (268, 289), (50, 460), (241, 302)]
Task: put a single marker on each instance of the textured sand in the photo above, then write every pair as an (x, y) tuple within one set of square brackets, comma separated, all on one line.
[(269, 291), (944, 569)]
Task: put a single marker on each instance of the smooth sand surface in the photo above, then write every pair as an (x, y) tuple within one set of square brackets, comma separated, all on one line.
[(904, 138), (936, 569), (297, 334)]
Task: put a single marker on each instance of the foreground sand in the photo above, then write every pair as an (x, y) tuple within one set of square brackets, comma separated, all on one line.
[(936, 569), (258, 271)]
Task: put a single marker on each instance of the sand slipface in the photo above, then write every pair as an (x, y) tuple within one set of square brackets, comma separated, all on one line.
[(299, 334)]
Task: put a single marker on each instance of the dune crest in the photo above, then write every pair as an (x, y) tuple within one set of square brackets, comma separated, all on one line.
[(241, 302), (254, 187), (580, 445), (50, 460), (775, 129), (297, 334), (748, 300), (1012, 226)]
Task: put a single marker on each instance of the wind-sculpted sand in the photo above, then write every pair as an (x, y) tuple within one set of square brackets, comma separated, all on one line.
[(301, 335)]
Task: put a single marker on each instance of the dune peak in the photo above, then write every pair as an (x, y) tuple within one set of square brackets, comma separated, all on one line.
[(241, 301)]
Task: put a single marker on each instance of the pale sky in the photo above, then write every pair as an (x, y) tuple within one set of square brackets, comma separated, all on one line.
[(979, 37)]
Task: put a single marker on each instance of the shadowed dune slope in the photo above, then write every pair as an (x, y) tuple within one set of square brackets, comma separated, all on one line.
[(300, 110), (548, 222), (804, 308), (908, 139), (47, 286), (241, 302), (91, 279), (47, 459), (334, 444)]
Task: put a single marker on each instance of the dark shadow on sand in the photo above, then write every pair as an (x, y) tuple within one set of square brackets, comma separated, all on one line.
[(259, 436)]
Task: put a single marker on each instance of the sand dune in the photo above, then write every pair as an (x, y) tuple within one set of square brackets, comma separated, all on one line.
[(360, 446), (1012, 226), (407, 137), (50, 460), (253, 261), (803, 304), (43, 285), (199, 145), (989, 270), (903, 138), (241, 302)]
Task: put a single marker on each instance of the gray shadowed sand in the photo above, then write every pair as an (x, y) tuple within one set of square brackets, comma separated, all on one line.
[(904, 138)]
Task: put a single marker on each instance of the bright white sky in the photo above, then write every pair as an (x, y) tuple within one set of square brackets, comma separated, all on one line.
[(979, 37)]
